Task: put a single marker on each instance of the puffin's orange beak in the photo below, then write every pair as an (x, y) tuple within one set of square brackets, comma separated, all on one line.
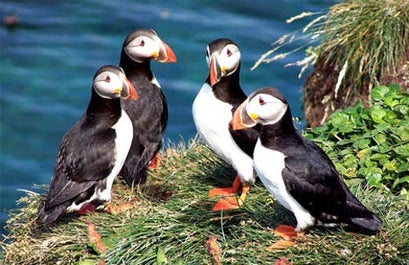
[(170, 55), (214, 74), (237, 121), (132, 91), (241, 120)]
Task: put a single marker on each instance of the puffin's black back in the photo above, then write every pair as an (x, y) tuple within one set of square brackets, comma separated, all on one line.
[(149, 116)]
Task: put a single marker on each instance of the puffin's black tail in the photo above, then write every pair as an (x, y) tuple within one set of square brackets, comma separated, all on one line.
[(362, 217), (133, 179), (47, 217), (357, 214)]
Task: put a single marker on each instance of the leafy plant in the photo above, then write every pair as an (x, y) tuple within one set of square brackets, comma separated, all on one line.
[(371, 144)]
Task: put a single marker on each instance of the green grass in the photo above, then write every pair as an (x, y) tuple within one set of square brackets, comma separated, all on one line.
[(364, 43), (171, 220)]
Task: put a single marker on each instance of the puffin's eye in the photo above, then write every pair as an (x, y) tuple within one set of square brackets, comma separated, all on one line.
[(107, 79), (229, 53), (261, 101), (142, 43)]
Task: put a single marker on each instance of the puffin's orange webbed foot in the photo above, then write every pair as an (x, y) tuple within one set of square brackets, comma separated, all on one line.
[(86, 209), (227, 204), (222, 192), (232, 202), (288, 234), (226, 191), (155, 162)]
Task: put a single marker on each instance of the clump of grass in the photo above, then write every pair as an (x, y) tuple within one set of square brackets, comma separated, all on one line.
[(356, 46), (367, 38), (171, 220)]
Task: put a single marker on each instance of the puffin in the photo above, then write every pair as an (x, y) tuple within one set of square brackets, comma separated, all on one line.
[(296, 171), (149, 114), (94, 150), (212, 112)]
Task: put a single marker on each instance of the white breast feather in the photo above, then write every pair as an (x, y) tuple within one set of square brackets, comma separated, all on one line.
[(212, 118), (155, 81), (124, 134), (269, 165)]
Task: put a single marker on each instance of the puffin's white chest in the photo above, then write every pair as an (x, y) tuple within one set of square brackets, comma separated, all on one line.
[(269, 165), (124, 134), (212, 117)]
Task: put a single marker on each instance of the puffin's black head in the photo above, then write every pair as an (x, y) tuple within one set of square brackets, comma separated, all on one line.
[(223, 58), (264, 106), (144, 44), (110, 82)]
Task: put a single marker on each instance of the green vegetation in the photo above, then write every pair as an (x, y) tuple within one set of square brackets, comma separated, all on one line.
[(371, 145), (357, 45), (170, 221), (367, 38)]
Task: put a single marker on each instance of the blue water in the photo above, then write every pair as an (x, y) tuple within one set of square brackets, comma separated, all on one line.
[(49, 59)]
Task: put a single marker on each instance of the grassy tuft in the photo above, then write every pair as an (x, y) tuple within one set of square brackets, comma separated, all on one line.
[(355, 46), (171, 220), (369, 38)]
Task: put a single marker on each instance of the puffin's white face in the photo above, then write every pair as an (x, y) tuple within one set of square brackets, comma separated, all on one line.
[(228, 59), (266, 109), (143, 47), (109, 84)]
